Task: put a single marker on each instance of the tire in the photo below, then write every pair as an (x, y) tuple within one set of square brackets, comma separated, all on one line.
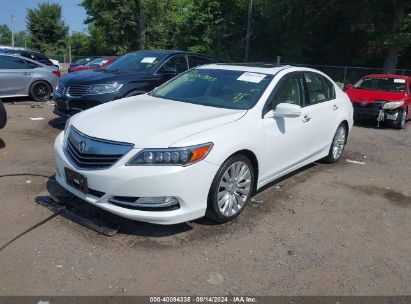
[(134, 93), (337, 145), (401, 120), (227, 198), (3, 115), (40, 91)]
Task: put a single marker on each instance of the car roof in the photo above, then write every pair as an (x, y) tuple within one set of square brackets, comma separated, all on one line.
[(22, 57), (265, 68), (389, 76)]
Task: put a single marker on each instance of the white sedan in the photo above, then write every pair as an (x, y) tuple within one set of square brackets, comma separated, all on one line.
[(204, 143)]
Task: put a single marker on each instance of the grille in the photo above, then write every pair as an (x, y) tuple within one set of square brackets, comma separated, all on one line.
[(60, 88), (86, 152), (78, 90)]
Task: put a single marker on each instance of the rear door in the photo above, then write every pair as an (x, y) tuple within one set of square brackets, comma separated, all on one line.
[(320, 112), (15, 76)]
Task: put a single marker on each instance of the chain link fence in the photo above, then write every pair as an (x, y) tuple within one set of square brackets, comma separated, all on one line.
[(349, 74)]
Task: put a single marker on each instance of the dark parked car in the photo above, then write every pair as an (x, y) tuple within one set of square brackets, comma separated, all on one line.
[(33, 55), (81, 61), (132, 74), (3, 115)]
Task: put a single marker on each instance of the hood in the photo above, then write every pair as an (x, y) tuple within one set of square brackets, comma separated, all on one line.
[(150, 122), (369, 96), (101, 76)]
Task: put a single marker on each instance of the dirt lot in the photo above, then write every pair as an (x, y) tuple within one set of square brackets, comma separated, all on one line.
[(341, 229)]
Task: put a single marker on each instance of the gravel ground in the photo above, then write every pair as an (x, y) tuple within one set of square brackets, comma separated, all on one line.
[(340, 229)]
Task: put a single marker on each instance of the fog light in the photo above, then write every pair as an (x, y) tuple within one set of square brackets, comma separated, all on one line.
[(145, 202), (163, 201)]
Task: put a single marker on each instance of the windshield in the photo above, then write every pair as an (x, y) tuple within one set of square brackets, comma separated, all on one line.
[(216, 88), (97, 62), (381, 84), (139, 61)]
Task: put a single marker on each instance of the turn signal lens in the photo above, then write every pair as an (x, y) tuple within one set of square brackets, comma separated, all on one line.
[(171, 156)]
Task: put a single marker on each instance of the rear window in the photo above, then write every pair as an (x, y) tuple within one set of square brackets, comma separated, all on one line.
[(386, 84)]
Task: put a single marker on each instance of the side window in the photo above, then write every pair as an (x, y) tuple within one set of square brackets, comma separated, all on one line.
[(316, 91), (320, 89), (176, 64), (289, 91), (12, 63), (197, 60), (329, 89), (31, 65)]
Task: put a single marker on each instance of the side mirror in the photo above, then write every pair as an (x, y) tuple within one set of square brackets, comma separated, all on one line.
[(287, 110), (348, 86)]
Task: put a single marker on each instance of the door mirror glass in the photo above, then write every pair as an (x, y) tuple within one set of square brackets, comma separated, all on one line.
[(287, 110)]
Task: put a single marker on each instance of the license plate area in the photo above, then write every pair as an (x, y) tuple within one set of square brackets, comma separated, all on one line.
[(76, 180)]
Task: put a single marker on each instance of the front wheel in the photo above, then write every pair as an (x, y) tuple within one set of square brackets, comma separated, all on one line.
[(337, 145), (40, 91), (231, 189)]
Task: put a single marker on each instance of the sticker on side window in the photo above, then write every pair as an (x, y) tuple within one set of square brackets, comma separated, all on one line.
[(148, 60), (399, 80), (251, 77)]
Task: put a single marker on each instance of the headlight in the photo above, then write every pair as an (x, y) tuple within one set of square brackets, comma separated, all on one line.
[(393, 105), (171, 156), (66, 131), (105, 88)]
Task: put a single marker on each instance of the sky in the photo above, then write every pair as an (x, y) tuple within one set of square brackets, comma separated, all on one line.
[(73, 14)]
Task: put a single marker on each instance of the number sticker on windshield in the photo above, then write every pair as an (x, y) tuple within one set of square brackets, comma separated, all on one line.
[(399, 80), (148, 60), (251, 77)]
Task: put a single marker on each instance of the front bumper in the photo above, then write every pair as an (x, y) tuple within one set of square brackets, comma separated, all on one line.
[(190, 185), (364, 111), (67, 106)]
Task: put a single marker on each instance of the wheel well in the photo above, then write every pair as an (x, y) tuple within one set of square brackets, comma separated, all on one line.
[(253, 159), (345, 124)]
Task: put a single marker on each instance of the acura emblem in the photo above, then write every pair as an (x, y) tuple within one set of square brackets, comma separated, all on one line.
[(82, 146)]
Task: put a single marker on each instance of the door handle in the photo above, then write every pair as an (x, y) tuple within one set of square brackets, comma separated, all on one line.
[(306, 118), (335, 107), (26, 73)]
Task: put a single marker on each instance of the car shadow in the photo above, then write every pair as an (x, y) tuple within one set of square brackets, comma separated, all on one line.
[(2, 144), (15, 99), (127, 226), (58, 123), (137, 228)]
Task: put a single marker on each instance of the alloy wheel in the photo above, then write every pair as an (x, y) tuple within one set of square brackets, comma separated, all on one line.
[(234, 189), (339, 142), (41, 91)]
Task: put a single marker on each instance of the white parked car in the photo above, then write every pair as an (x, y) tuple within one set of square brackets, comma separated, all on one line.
[(202, 144)]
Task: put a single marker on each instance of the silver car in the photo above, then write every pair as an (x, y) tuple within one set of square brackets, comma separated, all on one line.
[(21, 76)]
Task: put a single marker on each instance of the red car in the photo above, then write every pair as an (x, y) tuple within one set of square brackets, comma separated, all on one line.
[(98, 63), (383, 97)]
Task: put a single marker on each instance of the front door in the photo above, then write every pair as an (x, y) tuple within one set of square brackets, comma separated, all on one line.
[(286, 138)]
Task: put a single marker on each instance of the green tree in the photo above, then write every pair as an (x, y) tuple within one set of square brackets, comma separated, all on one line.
[(5, 35), (80, 44), (118, 21), (47, 31), (21, 39)]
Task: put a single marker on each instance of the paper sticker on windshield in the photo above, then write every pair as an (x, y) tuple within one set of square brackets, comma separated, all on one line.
[(251, 77), (148, 60), (399, 80)]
